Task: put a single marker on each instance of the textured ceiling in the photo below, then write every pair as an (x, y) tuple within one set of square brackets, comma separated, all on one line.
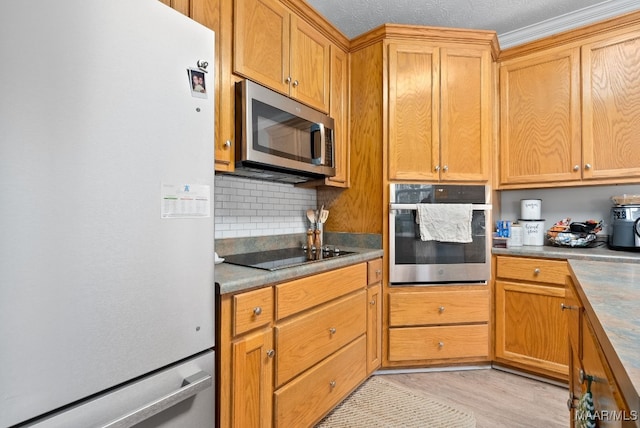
[(354, 17)]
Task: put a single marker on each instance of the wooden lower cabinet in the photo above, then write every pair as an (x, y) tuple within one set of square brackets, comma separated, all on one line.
[(589, 370), (439, 325), (252, 387), (290, 352), (530, 326), (305, 400)]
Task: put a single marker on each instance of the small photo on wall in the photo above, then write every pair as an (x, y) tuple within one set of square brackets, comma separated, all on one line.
[(198, 83)]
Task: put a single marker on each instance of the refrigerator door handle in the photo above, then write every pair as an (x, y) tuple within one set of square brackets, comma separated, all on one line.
[(190, 386)]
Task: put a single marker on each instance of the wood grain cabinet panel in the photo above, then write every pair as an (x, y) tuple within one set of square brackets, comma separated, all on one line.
[(275, 48), (439, 112), (531, 328), (540, 118), (305, 400), (252, 309), (308, 338), (439, 342), (611, 105)]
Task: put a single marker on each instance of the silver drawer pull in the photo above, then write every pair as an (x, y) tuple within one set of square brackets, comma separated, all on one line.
[(440, 344), (332, 384), (563, 307), (271, 353), (536, 271), (332, 330), (372, 302), (190, 387), (441, 309), (257, 310)]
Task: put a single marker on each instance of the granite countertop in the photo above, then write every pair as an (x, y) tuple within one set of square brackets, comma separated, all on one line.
[(610, 292), (602, 253), (232, 278)]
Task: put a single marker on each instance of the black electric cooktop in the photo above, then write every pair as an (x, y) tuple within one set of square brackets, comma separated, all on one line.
[(284, 258)]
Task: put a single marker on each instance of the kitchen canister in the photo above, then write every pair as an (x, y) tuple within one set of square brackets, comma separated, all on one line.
[(530, 209), (532, 231), (516, 235)]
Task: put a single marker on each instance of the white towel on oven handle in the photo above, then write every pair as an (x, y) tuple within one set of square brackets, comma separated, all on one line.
[(445, 222)]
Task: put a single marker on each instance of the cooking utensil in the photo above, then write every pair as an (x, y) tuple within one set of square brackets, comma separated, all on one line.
[(311, 215), (324, 214)]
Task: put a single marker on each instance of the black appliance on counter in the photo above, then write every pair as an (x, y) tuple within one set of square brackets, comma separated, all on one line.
[(625, 228), (283, 258)]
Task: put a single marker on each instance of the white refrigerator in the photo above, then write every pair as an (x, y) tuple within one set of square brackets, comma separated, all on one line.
[(106, 215)]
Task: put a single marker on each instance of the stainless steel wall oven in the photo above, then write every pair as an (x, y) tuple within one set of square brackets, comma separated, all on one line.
[(413, 261)]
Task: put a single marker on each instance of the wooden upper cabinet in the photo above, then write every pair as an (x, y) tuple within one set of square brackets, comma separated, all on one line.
[(414, 103), (276, 49), (439, 112), (465, 120), (540, 118), (339, 111), (611, 107)]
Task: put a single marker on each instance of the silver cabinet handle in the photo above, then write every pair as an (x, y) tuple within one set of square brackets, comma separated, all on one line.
[(372, 302), (437, 168), (227, 144), (587, 166), (332, 330), (440, 344), (190, 387), (563, 307), (378, 272), (441, 309), (536, 271), (288, 79), (257, 310), (332, 384), (271, 353), (295, 83), (576, 167), (445, 168)]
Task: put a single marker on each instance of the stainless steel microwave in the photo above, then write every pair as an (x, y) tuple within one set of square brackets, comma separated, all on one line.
[(280, 139)]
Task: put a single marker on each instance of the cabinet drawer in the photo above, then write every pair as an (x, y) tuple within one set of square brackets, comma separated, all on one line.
[(374, 271), (428, 343), (252, 309), (306, 339), (534, 270), (309, 397), (442, 307), (305, 293)]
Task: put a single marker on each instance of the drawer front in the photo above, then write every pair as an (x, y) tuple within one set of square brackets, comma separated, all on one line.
[(305, 400), (428, 343), (252, 309), (309, 338), (305, 293), (442, 307), (374, 271), (534, 270)]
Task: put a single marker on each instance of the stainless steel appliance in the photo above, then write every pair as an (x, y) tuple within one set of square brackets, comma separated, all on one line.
[(280, 139), (284, 258), (624, 233), (106, 258), (417, 262)]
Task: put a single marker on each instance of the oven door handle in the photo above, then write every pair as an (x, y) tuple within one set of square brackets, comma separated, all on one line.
[(394, 206)]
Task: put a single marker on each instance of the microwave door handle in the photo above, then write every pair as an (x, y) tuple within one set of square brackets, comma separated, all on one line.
[(316, 158)]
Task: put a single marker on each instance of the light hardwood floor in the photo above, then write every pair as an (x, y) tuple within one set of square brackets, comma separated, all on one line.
[(496, 398)]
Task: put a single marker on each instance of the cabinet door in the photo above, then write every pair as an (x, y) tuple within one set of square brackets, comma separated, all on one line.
[(339, 111), (310, 62), (465, 120), (252, 380), (611, 106), (540, 118), (414, 110), (261, 42), (531, 328), (374, 327)]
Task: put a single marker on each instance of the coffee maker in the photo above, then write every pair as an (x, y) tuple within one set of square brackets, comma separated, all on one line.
[(624, 231)]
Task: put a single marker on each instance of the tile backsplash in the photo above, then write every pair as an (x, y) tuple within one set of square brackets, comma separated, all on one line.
[(246, 207)]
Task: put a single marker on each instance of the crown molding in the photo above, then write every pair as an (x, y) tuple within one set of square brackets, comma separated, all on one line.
[(569, 21)]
